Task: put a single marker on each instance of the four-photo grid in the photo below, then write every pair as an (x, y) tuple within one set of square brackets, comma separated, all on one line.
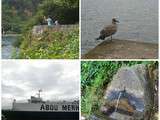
[(79, 60)]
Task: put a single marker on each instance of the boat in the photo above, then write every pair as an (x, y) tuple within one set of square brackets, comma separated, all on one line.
[(37, 109)]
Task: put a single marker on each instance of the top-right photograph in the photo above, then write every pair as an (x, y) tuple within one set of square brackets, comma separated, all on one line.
[(119, 29)]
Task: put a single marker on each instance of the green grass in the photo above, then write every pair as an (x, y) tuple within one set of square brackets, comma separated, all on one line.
[(50, 45), (95, 76)]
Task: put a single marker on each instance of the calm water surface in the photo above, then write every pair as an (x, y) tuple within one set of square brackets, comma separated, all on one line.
[(138, 20), (7, 46)]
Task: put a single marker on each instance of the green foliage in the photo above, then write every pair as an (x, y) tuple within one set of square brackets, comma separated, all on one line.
[(95, 75), (17, 42), (16, 13), (21, 15), (57, 44), (15, 53), (66, 12)]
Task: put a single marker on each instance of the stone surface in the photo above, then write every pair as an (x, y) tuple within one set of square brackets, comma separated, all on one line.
[(123, 49), (39, 29), (133, 84), (131, 88), (116, 115)]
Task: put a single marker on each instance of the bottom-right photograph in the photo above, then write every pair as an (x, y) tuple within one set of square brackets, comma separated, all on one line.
[(119, 90)]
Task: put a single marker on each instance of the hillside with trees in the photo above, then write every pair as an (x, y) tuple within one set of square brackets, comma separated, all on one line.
[(16, 12), (21, 15)]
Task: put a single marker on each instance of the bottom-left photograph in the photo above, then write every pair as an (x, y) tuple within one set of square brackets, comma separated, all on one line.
[(40, 90)]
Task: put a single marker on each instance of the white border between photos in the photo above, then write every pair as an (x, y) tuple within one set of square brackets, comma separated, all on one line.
[(79, 57)]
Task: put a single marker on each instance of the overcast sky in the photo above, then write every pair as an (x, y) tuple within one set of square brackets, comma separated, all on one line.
[(59, 80)]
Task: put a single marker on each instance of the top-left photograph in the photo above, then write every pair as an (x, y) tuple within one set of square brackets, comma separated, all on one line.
[(40, 29)]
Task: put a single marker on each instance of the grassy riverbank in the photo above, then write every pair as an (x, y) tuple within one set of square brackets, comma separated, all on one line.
[(51, 44), (95, 76)]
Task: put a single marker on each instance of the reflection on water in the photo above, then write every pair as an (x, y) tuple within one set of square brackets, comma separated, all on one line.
[(7, 46), (138, 20)]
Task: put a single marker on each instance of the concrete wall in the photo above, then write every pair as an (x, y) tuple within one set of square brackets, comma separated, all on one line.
[(39, 29)]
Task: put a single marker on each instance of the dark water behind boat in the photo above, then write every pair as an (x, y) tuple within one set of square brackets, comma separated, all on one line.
[(32, 115)]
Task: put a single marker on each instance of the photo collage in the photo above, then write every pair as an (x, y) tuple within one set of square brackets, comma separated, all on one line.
[(80, 60)]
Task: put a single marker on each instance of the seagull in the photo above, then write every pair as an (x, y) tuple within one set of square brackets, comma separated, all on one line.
[(108, 30)]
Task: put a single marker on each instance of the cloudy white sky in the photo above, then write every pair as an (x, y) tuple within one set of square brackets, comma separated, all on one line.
[(59, 80)]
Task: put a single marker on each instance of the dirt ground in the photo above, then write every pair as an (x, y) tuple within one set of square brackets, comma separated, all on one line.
[(123, 49)]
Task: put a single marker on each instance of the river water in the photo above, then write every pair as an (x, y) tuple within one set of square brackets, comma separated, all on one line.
[(7, 46), (138, 20)]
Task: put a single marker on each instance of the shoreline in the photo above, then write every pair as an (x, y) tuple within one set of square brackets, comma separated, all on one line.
[(10, 35), (123, 49)]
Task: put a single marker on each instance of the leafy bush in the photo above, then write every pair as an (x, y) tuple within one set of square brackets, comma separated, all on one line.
[(57, 44)]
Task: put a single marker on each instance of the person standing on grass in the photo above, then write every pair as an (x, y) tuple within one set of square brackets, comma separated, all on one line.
[(49, 21)]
